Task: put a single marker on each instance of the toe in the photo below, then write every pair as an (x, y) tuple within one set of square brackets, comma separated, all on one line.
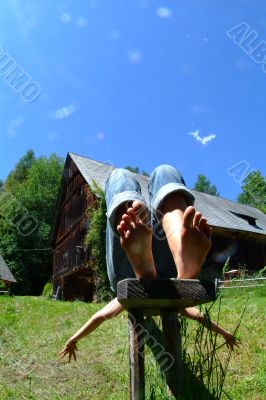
[(137, 205), (189, 216), (202, 223), (197, 218), (208, 231), (132, 215), (139, 212), (127, 221), (121, 231), (126, 228)]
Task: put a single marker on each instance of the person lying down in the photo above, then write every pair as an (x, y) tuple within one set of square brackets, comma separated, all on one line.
[(132, 251)]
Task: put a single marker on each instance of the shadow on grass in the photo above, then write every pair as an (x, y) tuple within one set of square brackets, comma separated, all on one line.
[(204, 370)]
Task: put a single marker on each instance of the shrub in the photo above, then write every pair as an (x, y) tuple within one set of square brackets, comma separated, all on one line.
[(47, 290), (95, 239)]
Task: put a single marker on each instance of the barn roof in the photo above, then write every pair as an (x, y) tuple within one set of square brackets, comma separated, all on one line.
[(220, 212), (5, 273)]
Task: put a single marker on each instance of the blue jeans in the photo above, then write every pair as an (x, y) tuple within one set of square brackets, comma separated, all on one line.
[(123, 187)]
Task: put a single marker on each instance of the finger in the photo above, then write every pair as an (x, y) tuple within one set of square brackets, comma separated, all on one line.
[(62, 353)]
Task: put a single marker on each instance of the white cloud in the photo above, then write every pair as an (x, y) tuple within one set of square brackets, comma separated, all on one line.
[(100, 135), (82, 22), (64, 112), (65, 18), (13, 126), (164, 12), (134, 56), (203, 140)]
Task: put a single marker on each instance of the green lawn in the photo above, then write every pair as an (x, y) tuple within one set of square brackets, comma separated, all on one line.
[(34, 329)]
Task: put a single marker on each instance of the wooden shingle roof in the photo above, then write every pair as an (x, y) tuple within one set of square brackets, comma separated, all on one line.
[(5, 273)]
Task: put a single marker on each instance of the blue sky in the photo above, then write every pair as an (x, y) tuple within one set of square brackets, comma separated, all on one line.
[(136, 82)]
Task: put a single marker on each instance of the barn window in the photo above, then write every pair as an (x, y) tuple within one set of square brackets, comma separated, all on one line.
[(248, 218)]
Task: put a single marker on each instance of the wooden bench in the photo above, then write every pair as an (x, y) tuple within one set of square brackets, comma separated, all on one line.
[(165, 297)]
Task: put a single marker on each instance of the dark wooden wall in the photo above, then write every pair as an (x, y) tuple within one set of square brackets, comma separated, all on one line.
[(70, 254), (243, 249)]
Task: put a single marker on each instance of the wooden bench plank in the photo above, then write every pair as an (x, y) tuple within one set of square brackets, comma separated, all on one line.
[(159, 294)]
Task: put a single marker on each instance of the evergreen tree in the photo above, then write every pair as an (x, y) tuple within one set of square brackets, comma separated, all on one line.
[(136, 170), (204, 185), (19, 174), (254, 191)]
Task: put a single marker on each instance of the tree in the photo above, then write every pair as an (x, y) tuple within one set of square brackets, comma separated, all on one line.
[(19, 174), (26, 217), (136, 170), (254, 191), (204, 185)]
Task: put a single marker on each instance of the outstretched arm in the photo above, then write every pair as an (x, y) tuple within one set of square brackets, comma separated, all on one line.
[(195, 314), (109, 311)]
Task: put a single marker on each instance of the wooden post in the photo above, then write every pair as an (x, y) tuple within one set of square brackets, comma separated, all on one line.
[(173, 346), (136, 355), (163, 297)]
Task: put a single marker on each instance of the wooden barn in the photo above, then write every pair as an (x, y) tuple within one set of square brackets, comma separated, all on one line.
[(5, 274), (239, 231)]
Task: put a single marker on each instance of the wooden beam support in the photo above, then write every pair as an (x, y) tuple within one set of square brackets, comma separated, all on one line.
[(136, 355), (173, 347)]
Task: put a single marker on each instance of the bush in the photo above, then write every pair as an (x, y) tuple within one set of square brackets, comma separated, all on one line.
[(262, 272), (48, 290), (96, 240)]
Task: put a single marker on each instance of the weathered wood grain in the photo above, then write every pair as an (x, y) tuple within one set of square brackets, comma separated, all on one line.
[(136, 355), (160, 294), (164, 297)]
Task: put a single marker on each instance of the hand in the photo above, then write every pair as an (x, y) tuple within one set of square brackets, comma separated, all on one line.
[(231, 341), (70, 349)]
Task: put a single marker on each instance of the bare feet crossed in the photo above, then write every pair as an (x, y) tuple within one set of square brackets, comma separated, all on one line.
[(136, 240)]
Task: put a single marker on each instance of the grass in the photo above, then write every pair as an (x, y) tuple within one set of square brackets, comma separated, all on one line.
[(34, 329)]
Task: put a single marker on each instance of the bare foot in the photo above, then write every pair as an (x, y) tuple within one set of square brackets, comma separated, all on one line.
[(195, 243), (189, 241), (136, 240)]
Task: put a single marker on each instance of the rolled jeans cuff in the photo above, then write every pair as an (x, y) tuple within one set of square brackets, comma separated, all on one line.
[(118, 200), (169, 188)]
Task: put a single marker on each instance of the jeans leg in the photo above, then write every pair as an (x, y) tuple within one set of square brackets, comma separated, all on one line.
[(164, 180), (121, 187)]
